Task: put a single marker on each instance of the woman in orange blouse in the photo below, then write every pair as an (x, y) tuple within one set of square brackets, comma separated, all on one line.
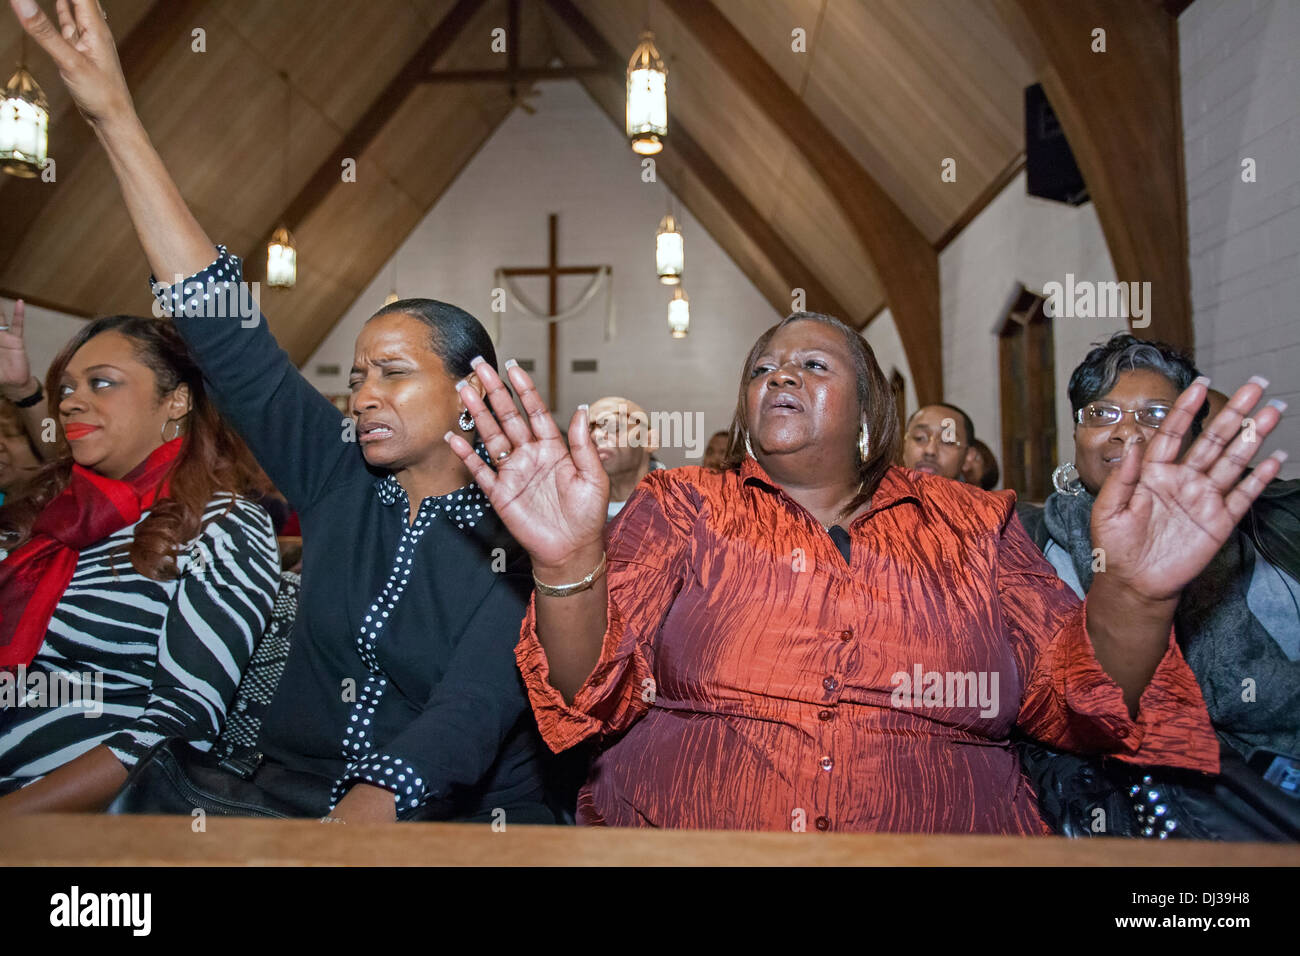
[(814, 639)]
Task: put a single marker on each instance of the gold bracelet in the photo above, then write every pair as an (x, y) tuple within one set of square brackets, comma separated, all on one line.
[(564, 590)]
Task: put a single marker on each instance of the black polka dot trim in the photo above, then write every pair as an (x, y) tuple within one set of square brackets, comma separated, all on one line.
[(196, 294), (382, 770), (464, 507)]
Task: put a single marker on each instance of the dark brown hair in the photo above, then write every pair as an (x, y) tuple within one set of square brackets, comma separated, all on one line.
[(213, 460), (875, 403)]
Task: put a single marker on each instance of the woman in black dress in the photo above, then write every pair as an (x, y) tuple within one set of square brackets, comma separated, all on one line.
[(400, 698)]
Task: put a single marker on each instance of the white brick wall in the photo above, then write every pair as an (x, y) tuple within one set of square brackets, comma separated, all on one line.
[(1241, 98), (570, 159)]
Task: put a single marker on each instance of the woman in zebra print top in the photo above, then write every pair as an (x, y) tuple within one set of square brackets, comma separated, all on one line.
[(136, 579)]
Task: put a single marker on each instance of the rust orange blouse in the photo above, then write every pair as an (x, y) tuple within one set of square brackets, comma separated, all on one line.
[(751, 679)]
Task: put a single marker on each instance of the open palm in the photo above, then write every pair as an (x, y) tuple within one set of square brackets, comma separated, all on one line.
[(552, 499), (1158, 518), (15, 368)]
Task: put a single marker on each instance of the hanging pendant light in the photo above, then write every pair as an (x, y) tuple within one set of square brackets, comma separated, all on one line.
[(24, 123), (281, 254), (647, 97), (281, 260), (679, 314), (670, 251)]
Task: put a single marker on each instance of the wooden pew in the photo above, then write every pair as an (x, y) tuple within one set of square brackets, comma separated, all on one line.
[(83, 839)]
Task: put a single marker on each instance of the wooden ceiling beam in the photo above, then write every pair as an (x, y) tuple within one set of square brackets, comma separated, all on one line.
[(685, 162), (528, 74), (372, 121), (25, 201), (903, 259), (1122, 114)]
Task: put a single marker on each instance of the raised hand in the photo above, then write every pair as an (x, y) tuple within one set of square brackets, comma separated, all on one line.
[(1159, 518), (15, 368), (551, 498), (82, 47)]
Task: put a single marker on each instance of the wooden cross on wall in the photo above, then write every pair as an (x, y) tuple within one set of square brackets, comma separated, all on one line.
[(553, 270)]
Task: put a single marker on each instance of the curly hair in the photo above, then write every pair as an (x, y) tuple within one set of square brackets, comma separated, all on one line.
[(1123, 352), (875, 401), (213, 460)]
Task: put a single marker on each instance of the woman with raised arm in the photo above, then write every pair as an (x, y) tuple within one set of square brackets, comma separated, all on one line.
[(400, 698), (1237, 621), (816, 639)]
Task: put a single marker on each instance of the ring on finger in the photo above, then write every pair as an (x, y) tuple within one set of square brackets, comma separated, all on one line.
[(502, 457)]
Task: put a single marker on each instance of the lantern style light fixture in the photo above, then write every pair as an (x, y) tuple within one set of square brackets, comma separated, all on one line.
[(281, 260), (670, 251), (679, 314), (24, 124), (647, 97), (281, 254)]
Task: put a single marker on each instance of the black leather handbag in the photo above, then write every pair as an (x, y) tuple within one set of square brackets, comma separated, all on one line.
[(232, 779), (175, 778), (1158, 802)]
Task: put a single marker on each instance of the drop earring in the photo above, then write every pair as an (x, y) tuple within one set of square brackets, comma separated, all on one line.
[(864, 443), (466, 421), (749, 448), (1065, 479)]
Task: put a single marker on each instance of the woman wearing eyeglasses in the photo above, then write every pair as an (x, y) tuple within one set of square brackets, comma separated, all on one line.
[(1238, 621)]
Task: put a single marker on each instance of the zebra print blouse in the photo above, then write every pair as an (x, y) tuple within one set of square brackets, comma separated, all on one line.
[(154, 658)]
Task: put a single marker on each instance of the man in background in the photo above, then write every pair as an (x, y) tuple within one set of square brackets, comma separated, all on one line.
[(937, 441), (620, 429)]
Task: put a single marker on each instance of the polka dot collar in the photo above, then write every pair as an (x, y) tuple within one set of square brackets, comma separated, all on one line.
[(465, 506)]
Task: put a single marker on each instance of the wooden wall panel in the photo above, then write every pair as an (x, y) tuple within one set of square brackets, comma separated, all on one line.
[(1121, 111)]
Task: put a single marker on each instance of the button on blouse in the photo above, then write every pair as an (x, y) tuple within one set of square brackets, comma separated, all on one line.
[(765, 716)]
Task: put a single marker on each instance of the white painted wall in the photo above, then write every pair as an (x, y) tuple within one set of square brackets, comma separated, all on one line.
[(568, 158), (45, 332), (1241, 99), (1016, 238)]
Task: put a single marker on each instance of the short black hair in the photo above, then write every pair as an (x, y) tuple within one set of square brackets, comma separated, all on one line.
[(1123, 352), (965, 419), (455, 336)]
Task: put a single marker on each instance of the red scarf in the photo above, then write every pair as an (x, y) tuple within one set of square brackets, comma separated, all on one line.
[(34, 577)]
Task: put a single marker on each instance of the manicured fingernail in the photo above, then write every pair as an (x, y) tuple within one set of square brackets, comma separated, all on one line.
[(1280, 455), (476, 361), (447, 437), (1259, 380), (27, 9), (511, 363), (1202, 380), (461, 384), (583, 406), (1278, 404)]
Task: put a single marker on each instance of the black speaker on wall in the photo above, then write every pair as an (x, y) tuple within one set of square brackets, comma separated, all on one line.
[(1050, 168)]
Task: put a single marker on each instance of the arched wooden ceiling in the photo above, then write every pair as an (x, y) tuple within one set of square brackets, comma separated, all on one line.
[(818, 169)]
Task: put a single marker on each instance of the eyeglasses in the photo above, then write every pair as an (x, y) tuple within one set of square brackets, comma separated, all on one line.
[(1101, 414)]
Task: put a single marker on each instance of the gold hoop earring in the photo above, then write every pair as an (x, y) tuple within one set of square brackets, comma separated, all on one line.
[(749, 448)]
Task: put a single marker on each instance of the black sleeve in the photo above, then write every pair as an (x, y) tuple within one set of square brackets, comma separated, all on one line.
[(468, 715), (296, 433)]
